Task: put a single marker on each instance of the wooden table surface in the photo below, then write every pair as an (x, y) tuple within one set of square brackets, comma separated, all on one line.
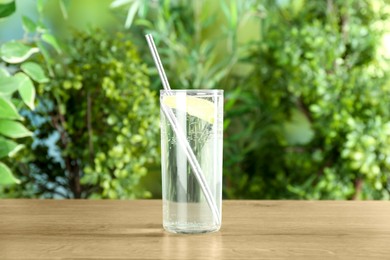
[(90, 229)]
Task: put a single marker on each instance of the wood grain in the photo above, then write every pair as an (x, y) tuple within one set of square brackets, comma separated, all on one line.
[(81, 229)]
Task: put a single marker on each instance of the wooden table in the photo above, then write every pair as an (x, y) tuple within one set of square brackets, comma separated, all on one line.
[(81, 229)]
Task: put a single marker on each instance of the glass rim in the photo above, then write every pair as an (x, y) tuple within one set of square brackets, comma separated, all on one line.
[(206, 91)]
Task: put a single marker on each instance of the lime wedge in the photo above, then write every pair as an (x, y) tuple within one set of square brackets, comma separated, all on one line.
[(198, 107)]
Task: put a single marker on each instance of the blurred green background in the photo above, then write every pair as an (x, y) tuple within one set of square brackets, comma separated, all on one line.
[(307, 95)]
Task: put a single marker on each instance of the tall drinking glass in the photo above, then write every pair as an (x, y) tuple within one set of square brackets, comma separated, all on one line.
[(199, 115)]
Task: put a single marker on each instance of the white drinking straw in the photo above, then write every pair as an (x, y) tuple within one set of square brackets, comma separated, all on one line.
[(181, 136), (157, 61)]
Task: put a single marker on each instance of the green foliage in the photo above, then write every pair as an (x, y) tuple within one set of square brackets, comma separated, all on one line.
[(13, 88), (17, 77), (194, 57), (35, 72), (103, 118), (6, 175), (16, 52), (7, 7), (313, 71), (322, 64), (136, 6), (306, 98)]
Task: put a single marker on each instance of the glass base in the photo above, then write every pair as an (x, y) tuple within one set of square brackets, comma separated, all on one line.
[(191, 229)]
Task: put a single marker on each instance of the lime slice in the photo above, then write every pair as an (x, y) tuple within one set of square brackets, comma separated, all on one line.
[(198, 107)]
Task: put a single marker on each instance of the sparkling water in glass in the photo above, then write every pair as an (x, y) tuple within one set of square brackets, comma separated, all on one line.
[(199, 114)]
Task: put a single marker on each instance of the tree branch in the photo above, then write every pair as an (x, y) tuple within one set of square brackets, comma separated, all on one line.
[(358, 188), (71, 164)]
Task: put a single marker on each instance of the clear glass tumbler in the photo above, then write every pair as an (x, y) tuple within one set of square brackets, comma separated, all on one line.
[(199, 115)]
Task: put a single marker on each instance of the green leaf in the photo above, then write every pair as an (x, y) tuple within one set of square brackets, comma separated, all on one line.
[(233, 14), (8, 147), (144, 22), (143, 10), (40, 5), (64, 5), (16, 150), (28, 24), (46, 56), (34, 71), (8, 85), (16, 52), (41, 28), (6, 176), (52, 41), (8, 110), (7, 8), (131, 13), (118, 3), (13, 129), (26, 90)]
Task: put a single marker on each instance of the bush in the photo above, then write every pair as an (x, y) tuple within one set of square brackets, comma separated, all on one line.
[(96, 123), (18, 74), (306, 99), (307, 122), (320, 98)]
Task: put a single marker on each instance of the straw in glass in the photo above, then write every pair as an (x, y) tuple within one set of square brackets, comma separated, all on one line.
[(181, 136)]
